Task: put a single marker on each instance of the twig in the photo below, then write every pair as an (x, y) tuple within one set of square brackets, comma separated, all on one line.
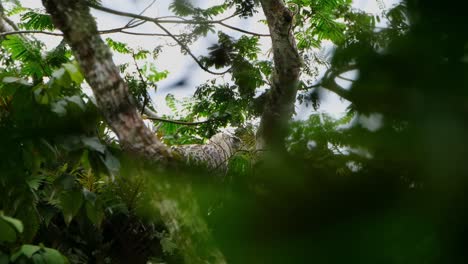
[(107, 31), (157, 23), (244, 31), (145, 94), (177, 20), (178, 122), (187, 49), (20, 32), (141, 13), (150, 115), (344, 78), (144, 34)]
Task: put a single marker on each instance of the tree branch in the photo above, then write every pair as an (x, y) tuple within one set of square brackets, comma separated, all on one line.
[(187, 49), (141, 13), (177, 122), (101, 32), (345, 79), (144, 34), (150, 115), (20, 32), (332, 86), (157, 23), (80, 31), (107, 31), (328, 82), (242, 30), (178, 20)]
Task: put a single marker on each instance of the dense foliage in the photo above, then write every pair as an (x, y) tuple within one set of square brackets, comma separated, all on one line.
[(393, 191)]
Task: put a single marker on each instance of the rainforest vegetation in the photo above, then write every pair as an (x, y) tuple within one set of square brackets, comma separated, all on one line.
[(91, 171)]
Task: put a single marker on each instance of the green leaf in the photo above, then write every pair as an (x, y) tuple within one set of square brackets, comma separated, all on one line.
[(25, 250), (141, 54), (4, 258), (38, 259), (36, 21), (62, 78), (74, 71), (94, 212), (70, 203), (31, 222), (35, 182), (152, 73), (14, 222), (182, 7), (89, 197), (29, 52), (41, 95), (247, 77), (59, 107), (59, 55), (76, 99), (58, 74), (244, 8), (52, 256), (112, 163), (214, 10), (171, 102), (40, 254), (93, 143), (16, 9), (10, 79), (118, 46), (7, 232)]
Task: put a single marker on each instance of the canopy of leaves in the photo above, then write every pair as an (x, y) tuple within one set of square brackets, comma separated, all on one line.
[(385, 183)]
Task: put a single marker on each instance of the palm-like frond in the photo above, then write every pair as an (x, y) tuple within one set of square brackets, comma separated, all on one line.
[(56, 57), (36, 21), (29, 53)]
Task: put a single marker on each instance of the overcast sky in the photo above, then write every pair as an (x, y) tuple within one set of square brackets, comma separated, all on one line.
[(183, 67)]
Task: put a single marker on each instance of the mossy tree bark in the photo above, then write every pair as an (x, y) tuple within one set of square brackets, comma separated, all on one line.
[(281, 97)]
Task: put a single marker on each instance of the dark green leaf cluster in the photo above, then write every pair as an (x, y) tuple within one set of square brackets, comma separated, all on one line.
[(182, 7), (384, 184), (33, 20), (61, 169), (319, 20), (186, 8), (57, 165), (241, 55), (245, 8), (34, 63), (118, 46)]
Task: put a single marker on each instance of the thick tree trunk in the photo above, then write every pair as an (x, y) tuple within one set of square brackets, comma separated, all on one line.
[(281, 97), (186, 227)]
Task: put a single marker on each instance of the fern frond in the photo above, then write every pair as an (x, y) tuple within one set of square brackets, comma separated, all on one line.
[(20, 49), (17, 9), (182, 7), (56, 57), (36, 21)]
